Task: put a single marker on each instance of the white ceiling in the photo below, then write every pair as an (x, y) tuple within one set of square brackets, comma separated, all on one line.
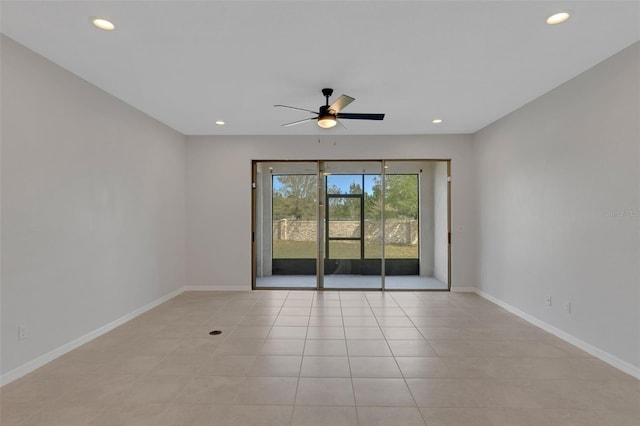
[(190, 63)]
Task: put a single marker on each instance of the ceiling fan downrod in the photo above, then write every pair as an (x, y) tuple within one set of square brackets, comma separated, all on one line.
[(327, 93)]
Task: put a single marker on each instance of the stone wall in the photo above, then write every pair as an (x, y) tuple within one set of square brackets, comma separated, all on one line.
[(295, 230), (397, 231)]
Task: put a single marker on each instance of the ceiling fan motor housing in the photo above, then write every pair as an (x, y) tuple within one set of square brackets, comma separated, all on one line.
[(324, 110)]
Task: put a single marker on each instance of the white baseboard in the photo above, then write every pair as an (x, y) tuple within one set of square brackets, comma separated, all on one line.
[(216, 288), (32, 365), (596, 352), (463, 289)]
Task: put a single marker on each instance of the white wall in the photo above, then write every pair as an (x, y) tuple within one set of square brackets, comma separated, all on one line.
[(219, 191), (558, 185), (93, 207), (426, 218), (441, 222)]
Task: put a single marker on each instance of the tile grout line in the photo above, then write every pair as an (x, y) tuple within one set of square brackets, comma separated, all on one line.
[(295, 395), (404, 379), (353, 389)]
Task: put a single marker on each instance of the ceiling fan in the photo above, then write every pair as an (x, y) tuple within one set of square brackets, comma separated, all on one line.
[(328, 115)]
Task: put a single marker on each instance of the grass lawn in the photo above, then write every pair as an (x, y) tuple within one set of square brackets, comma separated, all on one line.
[(284, 249)]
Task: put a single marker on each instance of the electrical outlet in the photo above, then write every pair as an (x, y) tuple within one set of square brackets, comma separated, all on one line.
[(547, 301), (567, 307), (22, 332)]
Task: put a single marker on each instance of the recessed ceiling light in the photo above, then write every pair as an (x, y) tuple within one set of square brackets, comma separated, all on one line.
[(220, 123), (103, 24), (558, 18), (436, 121)]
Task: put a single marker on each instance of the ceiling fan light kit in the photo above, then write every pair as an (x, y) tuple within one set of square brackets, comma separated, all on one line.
[(327, 116), (327, 121)]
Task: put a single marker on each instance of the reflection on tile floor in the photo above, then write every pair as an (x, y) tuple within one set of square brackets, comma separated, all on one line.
[(324, 358)]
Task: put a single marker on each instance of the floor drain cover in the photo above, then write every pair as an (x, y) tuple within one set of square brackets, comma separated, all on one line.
[(215, 332)]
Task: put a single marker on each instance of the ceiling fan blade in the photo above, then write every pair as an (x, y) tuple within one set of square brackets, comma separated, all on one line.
[(299, 122), (301, 109), (356, 116), (341, 103)]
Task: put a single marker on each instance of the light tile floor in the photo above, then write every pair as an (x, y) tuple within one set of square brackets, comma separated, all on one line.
[(327, 359)]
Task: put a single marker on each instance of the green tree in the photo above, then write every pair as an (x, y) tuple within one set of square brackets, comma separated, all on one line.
[(401, 197), (344, 208), (295, 197), (355, 188)]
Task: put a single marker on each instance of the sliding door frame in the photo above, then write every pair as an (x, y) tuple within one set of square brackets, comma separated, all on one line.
[(321, 224)]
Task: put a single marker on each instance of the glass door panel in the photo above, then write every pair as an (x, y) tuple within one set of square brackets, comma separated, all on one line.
[(352, 256), (373, 217), (416, 225), (285, 224)]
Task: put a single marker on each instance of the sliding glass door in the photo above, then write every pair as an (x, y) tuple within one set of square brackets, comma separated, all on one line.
[(285, 238), (351, 224), (353, 220)]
